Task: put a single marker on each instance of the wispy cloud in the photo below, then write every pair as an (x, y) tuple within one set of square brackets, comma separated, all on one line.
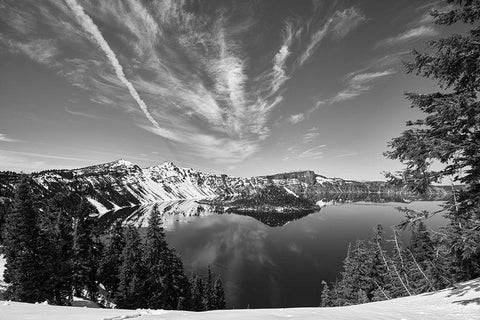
[(299, 117), (315, 40), (426, 18), (297, 152), (345, 21), (89, 26), (362, 78), (350, 154), (279, 73), (356, 84), (188, 72), (30, 161), (48, 156), (296, 118), (5, 138), (313, 153), (359, 83), (386, 61), (338, 25), (220, 150), (16, 162), (409, 35), (312, 134), (83, 114)]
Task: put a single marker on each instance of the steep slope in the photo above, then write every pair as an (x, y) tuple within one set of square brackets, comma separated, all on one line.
[(121, 183), (459, 303)]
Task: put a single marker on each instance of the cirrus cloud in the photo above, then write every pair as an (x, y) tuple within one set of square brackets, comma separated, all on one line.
[(411, 34), (183, 73)]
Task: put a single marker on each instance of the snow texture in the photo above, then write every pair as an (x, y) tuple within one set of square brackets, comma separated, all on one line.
[(461, 302)]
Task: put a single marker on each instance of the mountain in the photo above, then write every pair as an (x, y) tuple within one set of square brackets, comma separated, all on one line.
[(121, 183), (461, 302)]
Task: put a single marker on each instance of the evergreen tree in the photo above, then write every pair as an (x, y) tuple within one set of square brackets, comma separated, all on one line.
[(208, 296), (131, 289), (326, 299), (167, 284), (379, 294), (177, 285), (356, 274), (219, 295), (109, 269), (362, 296), (5, 209), (182, 304), (58, 223), (399, 277), (87, 251), (380, 271), (422, 254), (449, 134), (25, 269), (157, 259), (198, 290), (421, 244)]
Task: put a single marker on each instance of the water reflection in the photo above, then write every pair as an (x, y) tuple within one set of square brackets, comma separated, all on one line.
[(265, 266), (183, 211), (173, 213)]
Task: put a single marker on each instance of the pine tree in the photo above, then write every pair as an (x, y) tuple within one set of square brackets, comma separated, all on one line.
[(198, 291), (5, 209), (156, 263), (131, 289), (343, 288), (218, 295), (422, 254), (326, 299), (449, 134), (177, 284), (58, 222), (87, 251), (166, 283), (25, 269), (380, 266), (356, 274), (399, 267), (208, 296), (109, 269), (362, 296)]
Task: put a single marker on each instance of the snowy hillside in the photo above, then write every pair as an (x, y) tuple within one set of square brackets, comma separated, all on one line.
[(459, 303), (120, 183)]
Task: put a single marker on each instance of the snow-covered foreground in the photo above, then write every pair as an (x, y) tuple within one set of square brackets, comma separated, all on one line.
[(461, 302)]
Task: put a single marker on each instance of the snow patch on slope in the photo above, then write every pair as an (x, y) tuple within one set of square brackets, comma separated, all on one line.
[(290, 191), (100, 207)]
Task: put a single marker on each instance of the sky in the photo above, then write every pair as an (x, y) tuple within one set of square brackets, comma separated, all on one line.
[(238, 87)]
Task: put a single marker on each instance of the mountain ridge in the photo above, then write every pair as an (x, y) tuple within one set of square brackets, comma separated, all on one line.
[(121, 183)]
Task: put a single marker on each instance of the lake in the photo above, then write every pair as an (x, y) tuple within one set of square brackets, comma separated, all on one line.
[(264, 266)]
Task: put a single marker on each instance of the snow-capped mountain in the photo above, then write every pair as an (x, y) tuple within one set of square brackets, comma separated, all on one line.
[(121, 183)]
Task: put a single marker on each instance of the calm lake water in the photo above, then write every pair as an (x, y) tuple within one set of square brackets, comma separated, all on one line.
[(264, 266)]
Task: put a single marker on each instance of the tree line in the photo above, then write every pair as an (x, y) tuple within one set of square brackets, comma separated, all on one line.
[(382, 269), (54, 251)]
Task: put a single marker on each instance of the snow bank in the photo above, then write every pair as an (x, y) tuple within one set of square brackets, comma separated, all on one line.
[(459, 303)]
